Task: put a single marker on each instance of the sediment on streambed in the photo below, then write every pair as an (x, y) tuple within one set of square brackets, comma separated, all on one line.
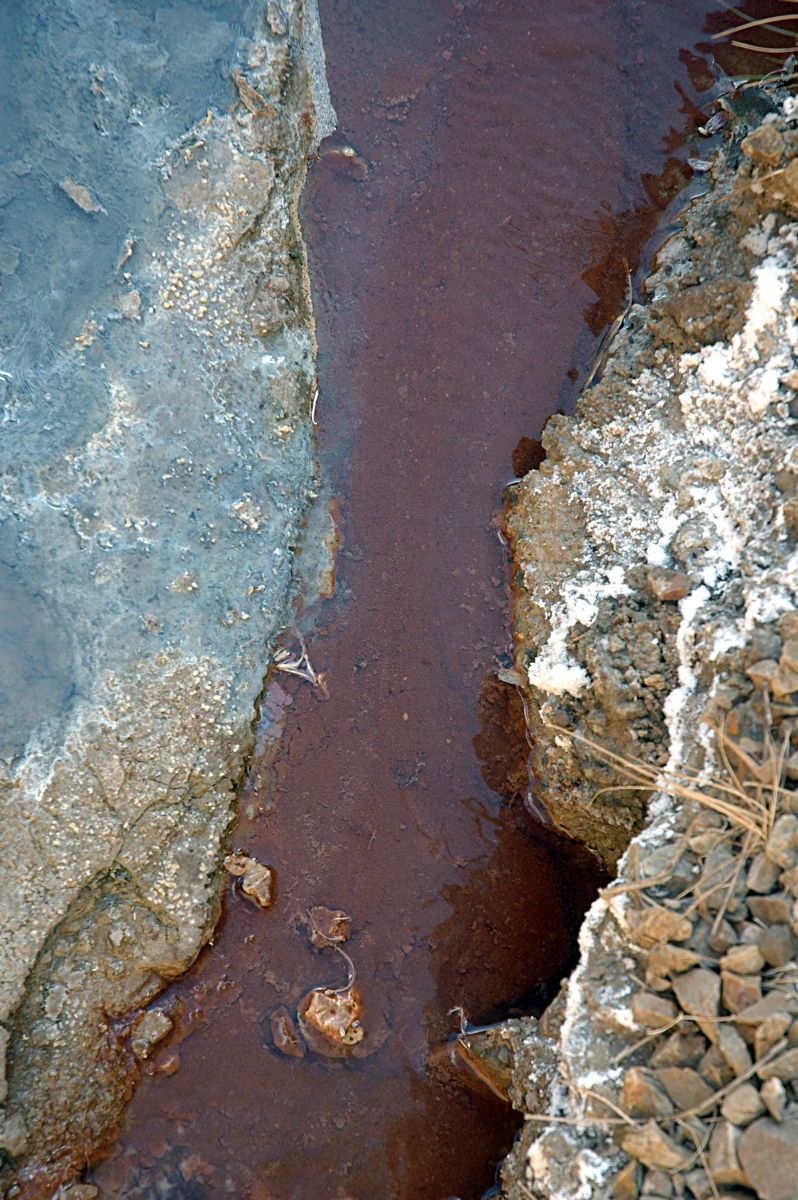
[(657, 621), (157, 466)]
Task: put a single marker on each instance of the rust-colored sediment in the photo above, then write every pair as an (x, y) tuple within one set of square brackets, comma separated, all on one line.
[(494, 147)]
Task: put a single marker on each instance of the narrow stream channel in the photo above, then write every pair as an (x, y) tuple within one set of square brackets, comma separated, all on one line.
[(496, 162)]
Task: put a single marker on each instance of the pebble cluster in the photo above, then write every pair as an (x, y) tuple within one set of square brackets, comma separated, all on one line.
[(707, 1103)]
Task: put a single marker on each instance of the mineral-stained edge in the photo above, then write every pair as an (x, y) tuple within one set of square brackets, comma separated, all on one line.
[(656, 552), (151, 539)]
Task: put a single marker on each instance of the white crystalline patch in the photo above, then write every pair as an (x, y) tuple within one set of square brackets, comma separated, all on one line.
[(714, 370), (763, 387), (554, 671), (767, 301)]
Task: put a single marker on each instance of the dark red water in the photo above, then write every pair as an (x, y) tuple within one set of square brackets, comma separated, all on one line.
[(508, 157)]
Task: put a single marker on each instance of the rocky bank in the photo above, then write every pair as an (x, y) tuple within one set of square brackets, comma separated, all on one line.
[(657, 628), (156, 382)]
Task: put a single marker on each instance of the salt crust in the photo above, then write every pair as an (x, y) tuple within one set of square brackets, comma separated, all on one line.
[(733, 412)]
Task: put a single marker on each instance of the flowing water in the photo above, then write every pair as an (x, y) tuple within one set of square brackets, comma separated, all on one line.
[(497, 165)]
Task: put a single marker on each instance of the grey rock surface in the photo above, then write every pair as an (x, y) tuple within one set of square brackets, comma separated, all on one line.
[(156, 461)]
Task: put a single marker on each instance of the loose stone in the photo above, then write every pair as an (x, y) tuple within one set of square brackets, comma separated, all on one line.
[(714, 1068), (724, 1166), (740, 991), (659, 924), (762, 875), (651, 1011), (668, 959), (679, 1050), (777, 945), (734, 1050), (657, 1185), (641, 1095), (744, 960), (668, 585), (652, 1147), (771, 1030), (684, 1086), (785, 1067), (743, 1105), (698, 993), (149, 1030), (769, 1156), (627, 1182), (774, 1095), (765, 145), (770, 910), (781, 847)]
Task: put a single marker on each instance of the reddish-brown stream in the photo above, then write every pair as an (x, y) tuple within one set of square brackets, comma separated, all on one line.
[(507, 156)]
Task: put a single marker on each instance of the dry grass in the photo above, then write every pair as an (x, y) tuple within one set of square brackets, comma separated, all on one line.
[(779, 48), (748, 795)]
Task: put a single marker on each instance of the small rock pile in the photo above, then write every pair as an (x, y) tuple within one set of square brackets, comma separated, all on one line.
[(709, 1108)]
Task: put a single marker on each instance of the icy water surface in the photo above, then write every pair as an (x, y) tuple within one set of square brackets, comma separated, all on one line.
[(467, 239)]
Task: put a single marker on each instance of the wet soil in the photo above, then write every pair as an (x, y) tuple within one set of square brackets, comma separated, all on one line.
[(467, 230)]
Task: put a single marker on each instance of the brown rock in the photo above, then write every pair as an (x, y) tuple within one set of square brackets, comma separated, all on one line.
[(784, 683), (747, 1019), (650, 1146), (765, 146), (774, 1095), (657, 1185), (762, 875), (641, 1095), (789, 879), (770, 910), (743, 960), (723, 938), (763, 672), (651, 1011), (668, 585), (698, 1184), (658, 924), (684, 1086), (735, 1053), (257, 880), (715, 1069), (768, 1153), (776, 944), (724, 1166), (789, 654), (151, 1027), (668, 959), (740, 991), (743, 1105), (781, 845), (679, 1050), (627, 1182), (284, 1033), (328, 926), (698, 994), (771, 1030), (784, 1067)]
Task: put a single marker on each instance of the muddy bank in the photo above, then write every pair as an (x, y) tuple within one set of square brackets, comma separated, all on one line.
[(662, 606), (156, 378)]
